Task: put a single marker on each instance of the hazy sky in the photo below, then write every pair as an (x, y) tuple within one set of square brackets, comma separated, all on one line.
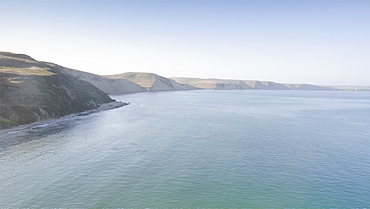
[(301, 41)]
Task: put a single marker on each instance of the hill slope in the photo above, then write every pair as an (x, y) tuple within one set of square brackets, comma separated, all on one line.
[(152, 82), (216, 84), (128, 82), (225, 84), (31, 91), (105, 83)]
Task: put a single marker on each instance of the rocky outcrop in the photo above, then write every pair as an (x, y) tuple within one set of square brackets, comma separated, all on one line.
[(31, 91)]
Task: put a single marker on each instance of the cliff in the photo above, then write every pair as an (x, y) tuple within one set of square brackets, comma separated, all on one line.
[(31, 91)]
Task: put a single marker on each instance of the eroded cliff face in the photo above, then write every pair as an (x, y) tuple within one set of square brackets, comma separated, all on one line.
[(31, 91)]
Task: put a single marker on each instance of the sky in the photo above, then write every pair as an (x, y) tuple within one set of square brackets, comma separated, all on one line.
[(322, 42)]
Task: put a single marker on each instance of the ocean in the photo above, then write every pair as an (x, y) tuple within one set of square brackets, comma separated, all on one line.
[(196, 149)]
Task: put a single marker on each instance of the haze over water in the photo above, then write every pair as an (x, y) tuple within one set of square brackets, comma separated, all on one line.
[(197, 149)]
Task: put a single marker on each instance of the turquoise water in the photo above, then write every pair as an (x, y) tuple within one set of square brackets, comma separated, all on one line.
[(197, 149)]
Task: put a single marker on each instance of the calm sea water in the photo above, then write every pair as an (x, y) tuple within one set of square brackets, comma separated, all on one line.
[(197, 149)]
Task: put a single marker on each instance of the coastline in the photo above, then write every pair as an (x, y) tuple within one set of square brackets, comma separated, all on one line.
[(102, 107)]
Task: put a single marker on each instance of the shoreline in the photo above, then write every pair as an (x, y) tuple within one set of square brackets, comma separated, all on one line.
[(41, 123)]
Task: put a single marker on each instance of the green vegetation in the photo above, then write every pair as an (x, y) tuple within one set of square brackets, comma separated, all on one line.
[(4, 120), (4, 123)]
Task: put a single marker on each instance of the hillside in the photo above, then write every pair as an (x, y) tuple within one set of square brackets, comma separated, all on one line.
[(128, 82), (152, 82), (31, 91), (105, 83), (216, 84), (225, 84)]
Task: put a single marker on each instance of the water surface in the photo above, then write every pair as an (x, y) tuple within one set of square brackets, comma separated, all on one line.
[(197, 149)]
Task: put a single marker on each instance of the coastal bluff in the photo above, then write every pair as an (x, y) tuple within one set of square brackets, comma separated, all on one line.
[(33, 91), (226, 84)]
